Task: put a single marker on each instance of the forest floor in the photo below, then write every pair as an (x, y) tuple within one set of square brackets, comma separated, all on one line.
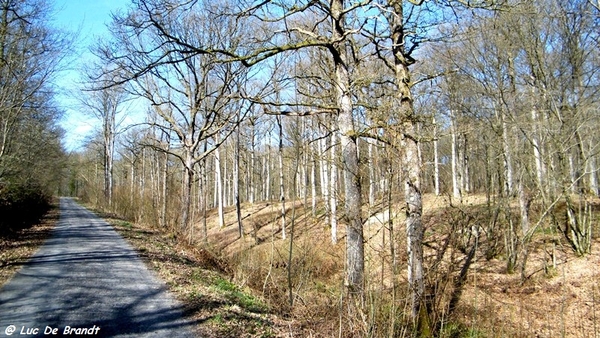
[(554, 302), (238, 287), (557, 295)]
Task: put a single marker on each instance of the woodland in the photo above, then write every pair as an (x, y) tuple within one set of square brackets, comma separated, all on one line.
[(360, 162)]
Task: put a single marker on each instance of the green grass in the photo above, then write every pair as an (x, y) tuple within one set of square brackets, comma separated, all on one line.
[(458, 330), (235, 295), (217, 319)]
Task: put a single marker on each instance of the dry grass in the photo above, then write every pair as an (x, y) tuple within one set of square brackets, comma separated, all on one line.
[(223, 282), (260, 262), (553, 302), (533, 308), (202, 281), (16, 248)]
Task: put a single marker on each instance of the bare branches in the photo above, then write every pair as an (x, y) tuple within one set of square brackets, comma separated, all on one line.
[(434, 76), (31, 52), (299, 113)]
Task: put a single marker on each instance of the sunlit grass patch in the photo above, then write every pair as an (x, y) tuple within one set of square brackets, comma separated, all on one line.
[(236, 296)]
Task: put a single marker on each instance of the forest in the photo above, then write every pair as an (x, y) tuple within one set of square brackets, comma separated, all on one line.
[(31, 154), (366, 163)]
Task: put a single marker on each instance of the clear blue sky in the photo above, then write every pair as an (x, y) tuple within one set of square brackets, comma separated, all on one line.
[(87, 19)]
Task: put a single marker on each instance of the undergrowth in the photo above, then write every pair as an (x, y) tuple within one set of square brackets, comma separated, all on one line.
[(251, 287)]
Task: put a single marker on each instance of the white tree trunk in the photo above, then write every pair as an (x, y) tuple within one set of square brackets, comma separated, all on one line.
[(455, 170), (333, 190), (313, 183), (372, 180), (355, 257), (236, 182), (203, 196), (132, 180), (591, 164), (226, 181), (323, 165), (109, 144), (305, 178), (219, 186), (165, 172), (186, 200), (155, 169), (466, 183), (572, 173), (508, 163), (281, 181), (251, 187), (411, 167), (267, 182), (537, 151), (436, 159)]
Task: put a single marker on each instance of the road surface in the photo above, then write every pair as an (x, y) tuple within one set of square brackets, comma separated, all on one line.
[(87, 280)]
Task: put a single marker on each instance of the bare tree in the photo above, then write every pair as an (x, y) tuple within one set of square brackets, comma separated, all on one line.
[(31, 155), (219, 185), (193, 95), (105, 104), (30, 53)]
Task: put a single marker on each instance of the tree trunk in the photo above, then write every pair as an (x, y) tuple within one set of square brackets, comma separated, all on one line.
[(537, 151), (236, 182), (589, 160), (332, 191), (350, 165), (188, 175), (572, 173), (455, 170), (305, 178), (267, 182), (226, 182), (323, 165), (591, 163), (163, 208), (132, 180), (219, 186), (412, 172), (436, 159), (281, 181), (523, 206), (251, 188), (466, 183), (372, 181), (108, 168), (313, 184), (508, 165), (154, 181), (203, 197), (109, 143)]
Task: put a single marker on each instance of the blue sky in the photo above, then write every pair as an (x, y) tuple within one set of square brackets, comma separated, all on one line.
[(88, 19)]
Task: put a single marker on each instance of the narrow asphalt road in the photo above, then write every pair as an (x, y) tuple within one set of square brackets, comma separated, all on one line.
[(87, 277)]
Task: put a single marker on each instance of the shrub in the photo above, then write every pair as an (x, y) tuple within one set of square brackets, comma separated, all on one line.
[(21, 205)]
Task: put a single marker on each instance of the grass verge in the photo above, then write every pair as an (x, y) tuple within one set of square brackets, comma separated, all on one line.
[(202, 282)]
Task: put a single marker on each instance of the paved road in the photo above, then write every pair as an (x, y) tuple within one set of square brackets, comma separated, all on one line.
[(86, 276)]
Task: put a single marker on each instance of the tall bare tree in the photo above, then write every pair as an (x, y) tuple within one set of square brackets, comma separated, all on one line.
[(193, 95), (105, 104)]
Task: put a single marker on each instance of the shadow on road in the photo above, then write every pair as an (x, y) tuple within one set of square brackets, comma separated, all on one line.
[(86, 275)]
